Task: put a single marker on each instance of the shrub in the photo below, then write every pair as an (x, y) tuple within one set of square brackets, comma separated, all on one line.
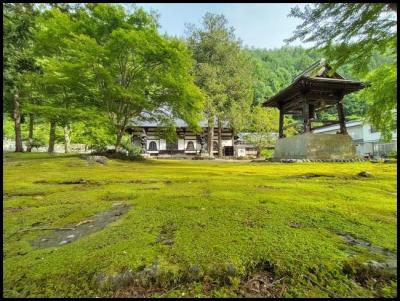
[(36, 143), (99, 148), (267, 153), (392, 154), (133, 151)]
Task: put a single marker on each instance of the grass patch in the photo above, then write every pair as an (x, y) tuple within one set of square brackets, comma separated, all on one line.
[(199, 228)]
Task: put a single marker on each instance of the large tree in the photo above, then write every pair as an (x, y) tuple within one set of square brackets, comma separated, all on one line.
[(18, 23), (262, 127), (222, 72), (66, 82), (351, 33), (136, 69), (99, 58)]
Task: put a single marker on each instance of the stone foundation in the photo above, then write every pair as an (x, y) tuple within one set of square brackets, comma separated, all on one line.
[(316, 147)]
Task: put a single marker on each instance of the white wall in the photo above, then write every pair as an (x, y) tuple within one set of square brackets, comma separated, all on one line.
[(241, 152), (356, 132), (9, 146), (163, 144), (368, 136), (226, 143)]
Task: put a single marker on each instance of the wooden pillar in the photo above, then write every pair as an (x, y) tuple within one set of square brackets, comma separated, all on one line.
[(306, 114), (281, 118), (342, 121)]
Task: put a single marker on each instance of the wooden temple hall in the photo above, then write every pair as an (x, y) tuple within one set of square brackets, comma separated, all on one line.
[(150, 136), (317, 88)]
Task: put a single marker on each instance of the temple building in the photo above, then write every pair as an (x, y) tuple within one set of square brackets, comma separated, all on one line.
[(150, 136), (317, 88)]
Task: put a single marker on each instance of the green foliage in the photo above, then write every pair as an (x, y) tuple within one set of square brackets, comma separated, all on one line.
[(392, 154), (275, 69), (168, 133), (382, 102), (8, 127), (40, 135), (267, 153), (98, 59), (95, 132), (36, 143), (18, 23), (136, 69), (348, 32), (263, 126), (356, 34), (222, 69), (133, 151)]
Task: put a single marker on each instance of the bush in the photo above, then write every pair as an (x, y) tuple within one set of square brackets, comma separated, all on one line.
[(267, 153), (392, 154), (133, 151), (98, 148), (36, 143)]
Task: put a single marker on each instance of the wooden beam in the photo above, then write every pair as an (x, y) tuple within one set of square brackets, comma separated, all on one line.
[(340, 110), (306, 115), (293, 104), (342, 121), (281, 118)]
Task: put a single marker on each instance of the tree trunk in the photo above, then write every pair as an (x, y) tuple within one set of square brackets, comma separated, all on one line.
[(219, 138), (210, 137), (120, 133), (67, 137), (52, 136), (30, 137), (17, 124)]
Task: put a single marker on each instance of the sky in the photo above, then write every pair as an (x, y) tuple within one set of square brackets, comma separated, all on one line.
[(261, 25)]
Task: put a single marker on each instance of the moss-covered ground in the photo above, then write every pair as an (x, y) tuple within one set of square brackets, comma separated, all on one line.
[(199, 228)]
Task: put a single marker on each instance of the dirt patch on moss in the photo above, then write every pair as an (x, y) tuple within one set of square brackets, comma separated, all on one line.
[(118, 196), (167, 234), (69, 233), (150, 188), (13, 209), (311, 176), (80, 181), (262, 281), (266, 187), (11, 194)]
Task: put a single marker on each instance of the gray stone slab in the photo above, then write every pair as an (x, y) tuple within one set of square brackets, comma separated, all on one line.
[(316, 147)]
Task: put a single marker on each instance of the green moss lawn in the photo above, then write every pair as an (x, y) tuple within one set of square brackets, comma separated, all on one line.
[(199, 228)]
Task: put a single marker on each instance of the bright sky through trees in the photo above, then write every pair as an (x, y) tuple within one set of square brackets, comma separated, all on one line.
[(263, 25)]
